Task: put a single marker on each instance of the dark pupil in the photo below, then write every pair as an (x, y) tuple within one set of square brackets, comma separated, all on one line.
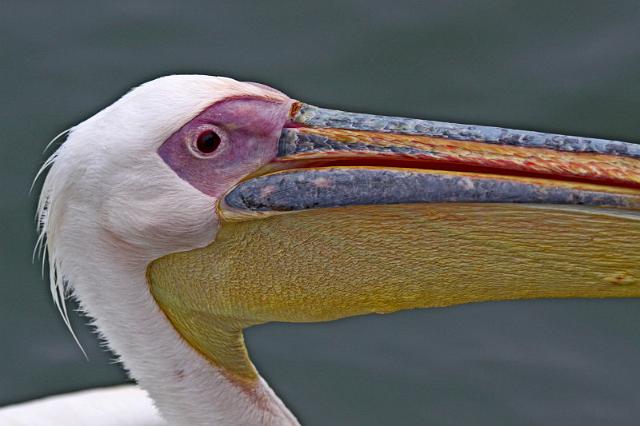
[(208, 141)]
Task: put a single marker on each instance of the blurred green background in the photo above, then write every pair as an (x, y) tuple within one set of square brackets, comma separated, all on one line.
[(563, 66)]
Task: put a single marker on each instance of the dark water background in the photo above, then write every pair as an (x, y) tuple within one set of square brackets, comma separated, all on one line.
[(565, 66)]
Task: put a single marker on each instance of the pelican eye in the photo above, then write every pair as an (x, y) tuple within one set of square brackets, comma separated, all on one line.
[(208, 141)]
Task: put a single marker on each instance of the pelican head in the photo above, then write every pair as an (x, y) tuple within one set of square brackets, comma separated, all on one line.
[(195, 206)]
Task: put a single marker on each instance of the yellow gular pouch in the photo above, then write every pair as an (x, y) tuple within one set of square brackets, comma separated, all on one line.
[(330, 263)]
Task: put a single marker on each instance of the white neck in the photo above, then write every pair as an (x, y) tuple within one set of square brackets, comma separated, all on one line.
[(187, 389)]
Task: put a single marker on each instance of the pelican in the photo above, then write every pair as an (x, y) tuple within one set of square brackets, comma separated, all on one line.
[(197, 206)]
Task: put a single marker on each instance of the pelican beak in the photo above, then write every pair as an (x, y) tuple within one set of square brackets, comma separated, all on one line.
[(361, 214), (329, 158)]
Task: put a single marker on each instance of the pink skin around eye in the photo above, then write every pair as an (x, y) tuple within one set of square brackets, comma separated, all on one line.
[(249, 128)]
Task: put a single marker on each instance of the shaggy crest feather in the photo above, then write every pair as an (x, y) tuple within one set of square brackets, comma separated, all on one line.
[(45, 247)]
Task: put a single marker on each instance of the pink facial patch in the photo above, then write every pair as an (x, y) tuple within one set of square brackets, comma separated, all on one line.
[(248, 129)]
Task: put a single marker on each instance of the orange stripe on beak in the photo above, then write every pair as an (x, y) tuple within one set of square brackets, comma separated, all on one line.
[(376, 148)]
